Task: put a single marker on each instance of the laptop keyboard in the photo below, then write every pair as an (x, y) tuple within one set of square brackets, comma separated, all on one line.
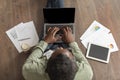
[(60, 26)]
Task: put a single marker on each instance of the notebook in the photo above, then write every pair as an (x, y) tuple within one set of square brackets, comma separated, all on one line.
[(59, 17)]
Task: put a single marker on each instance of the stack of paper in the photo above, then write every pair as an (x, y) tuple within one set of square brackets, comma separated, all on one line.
[(23, 33), (100, 35)]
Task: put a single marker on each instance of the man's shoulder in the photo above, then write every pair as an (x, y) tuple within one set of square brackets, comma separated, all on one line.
[(85, 73)]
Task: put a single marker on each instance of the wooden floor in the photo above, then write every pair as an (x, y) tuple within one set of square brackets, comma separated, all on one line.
[(13, 12)]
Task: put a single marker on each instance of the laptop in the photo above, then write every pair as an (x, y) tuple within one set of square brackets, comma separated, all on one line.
[(59, 17)]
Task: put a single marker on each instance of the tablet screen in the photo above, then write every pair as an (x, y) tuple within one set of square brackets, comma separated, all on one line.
[(98, 53)]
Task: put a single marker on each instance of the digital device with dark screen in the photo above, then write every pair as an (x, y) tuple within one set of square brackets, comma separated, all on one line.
[(97, 52), (59, 17)]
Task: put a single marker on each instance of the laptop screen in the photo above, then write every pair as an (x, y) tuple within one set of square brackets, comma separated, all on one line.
[(59, 15)]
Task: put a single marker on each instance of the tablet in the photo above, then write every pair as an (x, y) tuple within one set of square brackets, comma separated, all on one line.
[(97, 52)]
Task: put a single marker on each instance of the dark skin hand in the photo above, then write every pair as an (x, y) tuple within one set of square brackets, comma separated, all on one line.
[(67, 37), (50, 37)]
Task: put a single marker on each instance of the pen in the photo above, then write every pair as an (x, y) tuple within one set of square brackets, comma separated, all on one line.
[(24, 39)]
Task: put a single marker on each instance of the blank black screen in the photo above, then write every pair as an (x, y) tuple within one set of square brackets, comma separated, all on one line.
[(98, 52), (59, 15)]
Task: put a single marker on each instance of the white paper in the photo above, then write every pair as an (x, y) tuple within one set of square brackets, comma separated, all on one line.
[(27, 34), (23, 33), (113, 42), (14, 38), (95, 26), (103, 39), (48, 53), (94, 38)]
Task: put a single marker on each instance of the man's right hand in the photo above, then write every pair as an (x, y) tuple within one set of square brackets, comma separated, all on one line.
[(67, 36), (50, 37)]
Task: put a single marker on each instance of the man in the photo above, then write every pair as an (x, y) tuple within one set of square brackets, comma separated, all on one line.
[(62, 65)]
